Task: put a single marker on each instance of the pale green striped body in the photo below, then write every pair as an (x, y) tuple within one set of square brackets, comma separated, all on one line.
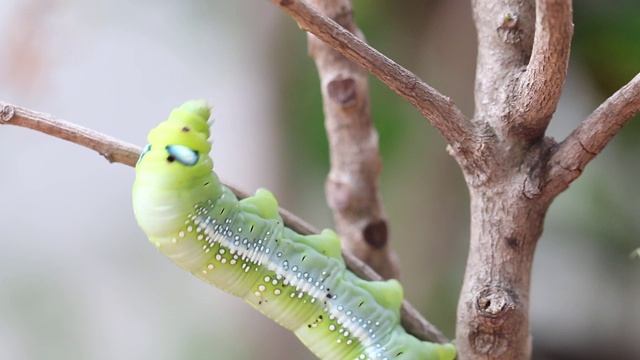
[(243, 248)]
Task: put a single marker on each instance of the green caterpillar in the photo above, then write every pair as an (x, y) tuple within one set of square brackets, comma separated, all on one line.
[(242, 247)]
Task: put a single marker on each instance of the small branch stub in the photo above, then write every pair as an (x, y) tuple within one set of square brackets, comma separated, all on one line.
[(494, 304), (7, 113)]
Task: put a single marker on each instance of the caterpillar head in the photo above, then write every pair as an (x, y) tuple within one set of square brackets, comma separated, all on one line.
[(178, 150)]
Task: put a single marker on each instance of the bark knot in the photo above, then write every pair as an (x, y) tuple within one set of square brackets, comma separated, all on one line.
[(342, 91), (509, 29), (376, 234), (7, 113), (494, 304)]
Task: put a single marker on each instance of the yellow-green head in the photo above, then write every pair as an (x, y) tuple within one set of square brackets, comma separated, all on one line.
[(178, 150)]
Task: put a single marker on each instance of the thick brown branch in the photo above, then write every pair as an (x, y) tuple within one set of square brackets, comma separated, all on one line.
[(118, 151), (590, 138), (540, 86), (439, 110), (352, 184)]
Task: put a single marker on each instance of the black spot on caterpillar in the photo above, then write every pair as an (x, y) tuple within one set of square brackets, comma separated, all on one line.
[(242, 247)]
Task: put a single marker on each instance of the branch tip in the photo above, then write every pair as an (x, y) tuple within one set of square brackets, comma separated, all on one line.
[(7, 113)]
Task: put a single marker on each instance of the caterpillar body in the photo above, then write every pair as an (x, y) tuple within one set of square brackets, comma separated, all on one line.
[(242, 247)]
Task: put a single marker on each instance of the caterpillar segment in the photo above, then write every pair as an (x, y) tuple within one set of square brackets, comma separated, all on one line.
[(242, 247)]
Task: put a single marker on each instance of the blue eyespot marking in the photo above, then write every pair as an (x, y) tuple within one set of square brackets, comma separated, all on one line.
[(182, 154), (144, 151)]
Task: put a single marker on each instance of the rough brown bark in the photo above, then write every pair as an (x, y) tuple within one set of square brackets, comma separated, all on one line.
[(352, 184), (523, 50)]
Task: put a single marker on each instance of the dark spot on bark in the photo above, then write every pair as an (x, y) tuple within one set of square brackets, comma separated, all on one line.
[(342, 91), (512, 242), (375, 234)]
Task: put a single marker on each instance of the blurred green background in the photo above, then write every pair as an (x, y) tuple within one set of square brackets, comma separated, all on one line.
[(78, 279)]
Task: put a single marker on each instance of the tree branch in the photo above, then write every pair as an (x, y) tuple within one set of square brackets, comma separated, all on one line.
[(352, 184), (589, 139), (540, 86), (110, 148), (439, 110), (118, 151)]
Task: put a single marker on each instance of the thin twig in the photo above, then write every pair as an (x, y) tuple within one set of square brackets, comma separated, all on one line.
[(590, 138), (352, 184), (117, 151), (542, 83), (438, 109), (110, 148)]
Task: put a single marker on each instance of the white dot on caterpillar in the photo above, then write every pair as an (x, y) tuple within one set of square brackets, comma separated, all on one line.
[(174, 240), (332, 327), (181, 234), (224, 261), (277, 292), (210, 266), (189, 228), (257, 293), (267, 278), (292, 295), (232, 261), (262, 288), (274, 282), (200, 237), (218, 257), (300, 295), (204, 272), (239, 229), (349, 342)]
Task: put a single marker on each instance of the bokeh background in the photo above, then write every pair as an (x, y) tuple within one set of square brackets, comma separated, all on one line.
[(79, 280)]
